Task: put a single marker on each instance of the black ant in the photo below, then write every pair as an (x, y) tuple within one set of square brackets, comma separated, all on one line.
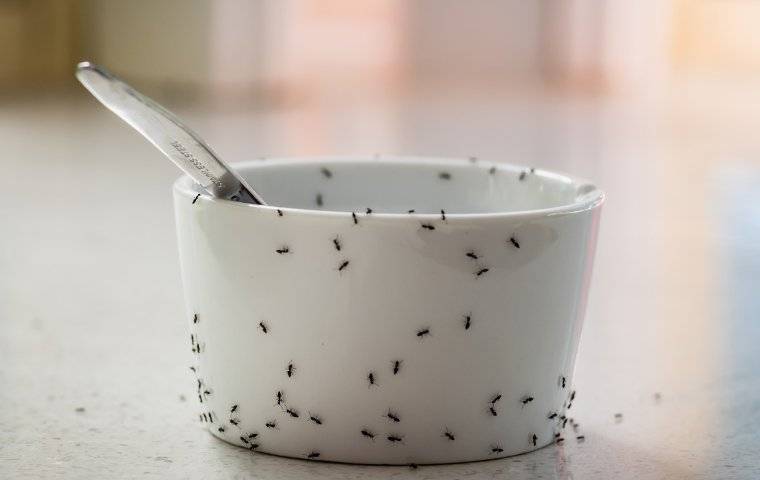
[(279, 212), (496, 449), (559, 440), (202, 417), (618, 417), (393, 416), (196, 198), (315, 419), (493, 411), (207, 392), (526, 400), (200, 384), (413, 466), (280, 397), (253, 446), (263, 327), (369, 210), (495, 399), (195, 318), (234, 408), (428, 226), (319, 200), (564, 423), (396, 366), (443, 215), (535, 439), (290, 370), (563, 381), (343, 265), (492, 170), (368, 434), (556, 435), (244, 440), (449, 435), (580, 438), (481, 271), (221, 429), (200, 399), (444, 176), (514, 242), (252, 435), (327, 173), (313, 455), (356, 220), (572, 395), (522, 175), (283, 250), (467, 321), (271, 424), (193, 369), (472, 255), (336, 242), (371, 378), (421, 333), (234, 421), (292, 412), (393, 438), (552, 416), (410, 211)]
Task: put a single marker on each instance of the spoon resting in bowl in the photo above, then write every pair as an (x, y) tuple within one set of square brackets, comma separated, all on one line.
[(167, 133)]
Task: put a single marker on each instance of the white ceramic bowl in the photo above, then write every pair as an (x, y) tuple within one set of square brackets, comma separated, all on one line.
[(315, 299)]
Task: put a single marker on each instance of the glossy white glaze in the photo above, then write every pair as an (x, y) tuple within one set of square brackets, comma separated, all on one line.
[(244, 265)]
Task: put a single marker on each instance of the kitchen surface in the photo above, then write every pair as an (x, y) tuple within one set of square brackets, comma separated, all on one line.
[(93, 337)]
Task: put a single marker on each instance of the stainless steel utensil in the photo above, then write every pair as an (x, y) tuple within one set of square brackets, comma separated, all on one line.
[(165, 131)]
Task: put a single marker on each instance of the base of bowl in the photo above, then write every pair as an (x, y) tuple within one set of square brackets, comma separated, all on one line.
[(353, 459)]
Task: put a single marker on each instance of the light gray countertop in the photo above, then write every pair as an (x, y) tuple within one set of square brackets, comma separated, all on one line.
[(93, 357)]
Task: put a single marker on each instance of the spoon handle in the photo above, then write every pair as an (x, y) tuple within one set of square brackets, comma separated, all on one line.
[(164, 130)]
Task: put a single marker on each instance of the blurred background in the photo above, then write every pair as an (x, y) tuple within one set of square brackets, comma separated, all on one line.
[(506, 76), (656, 101)]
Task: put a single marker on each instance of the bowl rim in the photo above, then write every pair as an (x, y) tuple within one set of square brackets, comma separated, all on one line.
[(590, 199)]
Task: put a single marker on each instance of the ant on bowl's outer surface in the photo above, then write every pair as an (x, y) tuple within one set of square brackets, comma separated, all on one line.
[(393, 416)]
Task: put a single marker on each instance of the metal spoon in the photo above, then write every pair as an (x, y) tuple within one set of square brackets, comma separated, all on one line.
[(164, 130)]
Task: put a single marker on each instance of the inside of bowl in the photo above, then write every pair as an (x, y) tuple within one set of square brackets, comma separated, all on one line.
[(400, 185)]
